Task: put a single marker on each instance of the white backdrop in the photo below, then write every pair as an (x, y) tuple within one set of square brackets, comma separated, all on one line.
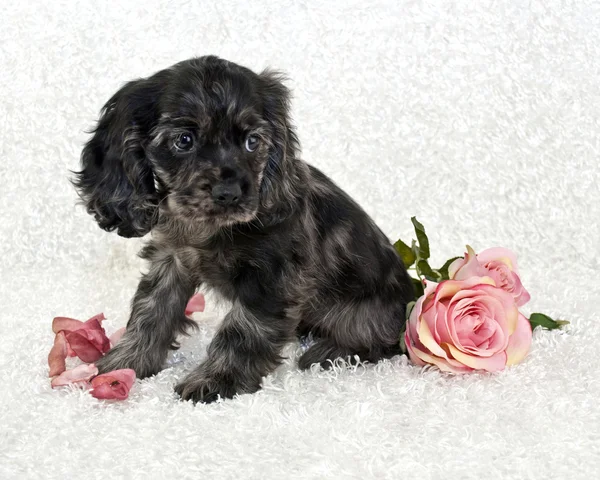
[(481, 118)]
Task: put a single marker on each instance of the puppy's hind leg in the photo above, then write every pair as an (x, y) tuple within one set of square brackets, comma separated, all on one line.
[(324, 352), (366, 328)]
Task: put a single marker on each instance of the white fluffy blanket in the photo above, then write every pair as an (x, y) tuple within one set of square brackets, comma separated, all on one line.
[(481, 118)]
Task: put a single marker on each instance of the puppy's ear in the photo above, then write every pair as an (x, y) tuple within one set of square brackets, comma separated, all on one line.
[(116, 182), (276, 101)]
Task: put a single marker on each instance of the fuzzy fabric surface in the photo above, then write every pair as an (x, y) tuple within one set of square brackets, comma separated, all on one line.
[(480, 118)]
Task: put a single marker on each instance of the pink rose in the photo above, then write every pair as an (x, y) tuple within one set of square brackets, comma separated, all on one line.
[(500, 264), (86, 340), (113, 385), (467, 325)]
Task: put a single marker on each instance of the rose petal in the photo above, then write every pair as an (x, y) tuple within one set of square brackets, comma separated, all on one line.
[(447, 323), (80, 375), (455, 266), (115, 337), (70, 324), (443, 364), (416, 350), (499, 254), (91, 330), (423, 301), (106, 391), (195, 304), (521, 295), (99, 317), (523, 298), (519, 342), (449, 288), (508, 303), (82, 347), (411, 354), (471, 267), (113, 385), (454, 289), (486, 305), (427, 339), (494, 363), (429, 287), (95, 333), (57, 355), (438, 354), (65, 323), (411, 324), (496, 342)]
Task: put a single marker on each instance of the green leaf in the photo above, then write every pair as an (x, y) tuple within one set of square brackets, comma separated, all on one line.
[(425, 270), (418, 287), (422, 238), (403, 348), (444, 270), (545, 321), (406, 254), (415, 248)]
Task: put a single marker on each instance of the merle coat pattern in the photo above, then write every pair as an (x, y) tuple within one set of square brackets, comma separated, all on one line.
[(203, 155)]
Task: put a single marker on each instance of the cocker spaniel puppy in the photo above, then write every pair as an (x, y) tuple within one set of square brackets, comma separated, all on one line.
[(204, 156)]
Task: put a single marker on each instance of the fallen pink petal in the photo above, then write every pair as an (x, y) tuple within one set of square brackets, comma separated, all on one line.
[(113, 385), (80, 375), (95, 333), (58, 355), (65, 323), (98, 317), (70, 352), (195, 304), (83, 347), (115, 337), (86, 340), (71, 324)]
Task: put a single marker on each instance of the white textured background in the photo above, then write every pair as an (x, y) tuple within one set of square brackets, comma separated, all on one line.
[(482, 118)]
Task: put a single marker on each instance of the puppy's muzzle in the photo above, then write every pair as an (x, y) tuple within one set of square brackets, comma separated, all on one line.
[(227, 195)]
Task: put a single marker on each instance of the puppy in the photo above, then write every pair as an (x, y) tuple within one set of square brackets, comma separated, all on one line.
[(204, 156)]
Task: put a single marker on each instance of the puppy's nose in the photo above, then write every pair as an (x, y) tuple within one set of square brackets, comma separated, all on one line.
[(227, 195)]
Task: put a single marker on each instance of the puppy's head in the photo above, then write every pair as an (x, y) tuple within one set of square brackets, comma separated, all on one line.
[(204, 140)]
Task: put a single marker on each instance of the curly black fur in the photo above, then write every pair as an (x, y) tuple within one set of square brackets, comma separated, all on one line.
[(292, 252)]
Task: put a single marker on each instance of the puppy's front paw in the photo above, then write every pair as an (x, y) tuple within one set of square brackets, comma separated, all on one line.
[(144, 365), (203, 388)]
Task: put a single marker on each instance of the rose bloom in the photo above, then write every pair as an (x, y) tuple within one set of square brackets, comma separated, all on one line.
[(498, 263), (86, 340), (113, 385), (466, 325)]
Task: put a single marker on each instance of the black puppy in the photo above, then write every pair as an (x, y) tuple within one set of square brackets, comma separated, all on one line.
[(203, 155)]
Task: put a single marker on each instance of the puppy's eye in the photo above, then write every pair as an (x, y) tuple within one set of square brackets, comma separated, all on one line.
[(184, 142), (252, 143)]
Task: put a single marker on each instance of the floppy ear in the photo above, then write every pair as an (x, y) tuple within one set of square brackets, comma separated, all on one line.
[(116, 182), (285, 145), (276, 101)]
